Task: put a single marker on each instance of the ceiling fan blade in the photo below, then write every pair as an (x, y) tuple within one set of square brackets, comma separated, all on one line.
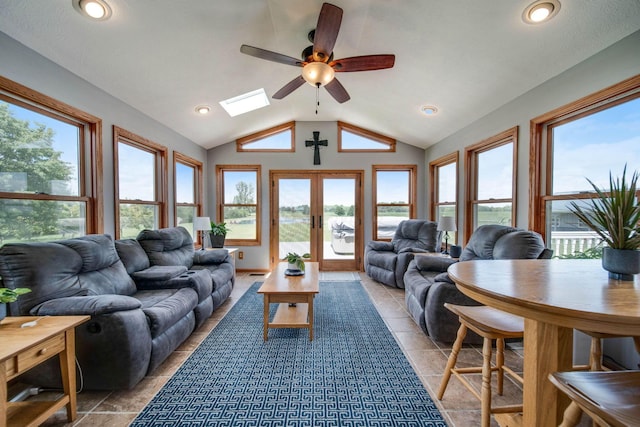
[(289, 87), (363, 63), (326, 31), (335, 89), (270, 56)]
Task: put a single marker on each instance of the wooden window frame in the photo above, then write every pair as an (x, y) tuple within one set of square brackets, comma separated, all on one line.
[(197, 187), (289, 126), (220, 202), (160, 156), (390, 142), (434, 168), (471, 188), (90, 150), (541, 147), (413, 191)]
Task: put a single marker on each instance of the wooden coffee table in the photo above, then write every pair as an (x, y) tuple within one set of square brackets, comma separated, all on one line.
[(285, 290)]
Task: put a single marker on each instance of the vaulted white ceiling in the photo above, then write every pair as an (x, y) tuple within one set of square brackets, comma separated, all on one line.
[(467, 57)]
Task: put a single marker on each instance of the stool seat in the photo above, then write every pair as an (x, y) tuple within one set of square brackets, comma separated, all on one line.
[(489, 320), (609, 398)]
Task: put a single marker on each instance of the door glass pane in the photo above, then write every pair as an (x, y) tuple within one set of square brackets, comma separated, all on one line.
[(492, 213), (136, 217), (495, 173), (338, 218), (42, 154), (294, 228), (136, 173)]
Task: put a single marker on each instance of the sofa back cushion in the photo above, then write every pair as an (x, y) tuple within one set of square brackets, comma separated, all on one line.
[(87, 265), (168, 246), (417, 233), (132, 255), (495, 241)]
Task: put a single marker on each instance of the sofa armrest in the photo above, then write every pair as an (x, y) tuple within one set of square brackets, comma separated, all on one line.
[(94, 305), (380, 246), (209, 257), (156, 276), (434, 263)]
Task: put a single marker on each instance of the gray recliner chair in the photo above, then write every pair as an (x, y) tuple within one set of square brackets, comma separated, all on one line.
[(387, 262), (428, 285)]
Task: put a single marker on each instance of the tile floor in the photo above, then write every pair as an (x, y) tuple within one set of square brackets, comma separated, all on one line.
[(428, 358)]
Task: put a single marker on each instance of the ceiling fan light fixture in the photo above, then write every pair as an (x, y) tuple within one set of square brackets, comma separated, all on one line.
[(318, 73), (540, 11), (97, 10)]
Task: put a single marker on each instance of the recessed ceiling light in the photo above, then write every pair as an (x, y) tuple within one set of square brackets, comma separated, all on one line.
[(246, 102), (429, 110), (97, 10), (203, 109), (540, 11)]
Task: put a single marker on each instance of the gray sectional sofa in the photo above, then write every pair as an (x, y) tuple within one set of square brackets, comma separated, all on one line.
[(144, 296), (428, 285)]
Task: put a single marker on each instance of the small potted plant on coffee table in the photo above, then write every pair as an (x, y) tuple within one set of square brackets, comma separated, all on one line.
[(296, 262), (9, 295)]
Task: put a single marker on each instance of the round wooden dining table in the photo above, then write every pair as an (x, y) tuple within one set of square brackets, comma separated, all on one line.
[(554, 297)]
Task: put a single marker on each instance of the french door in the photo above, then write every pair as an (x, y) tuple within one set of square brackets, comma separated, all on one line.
[(317, 212)]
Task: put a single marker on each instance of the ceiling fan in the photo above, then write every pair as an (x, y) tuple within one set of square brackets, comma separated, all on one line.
[(318, 65)]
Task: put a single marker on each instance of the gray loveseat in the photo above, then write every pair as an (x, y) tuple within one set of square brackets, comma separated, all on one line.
[(139, 313), (428, 286), (387, 262)]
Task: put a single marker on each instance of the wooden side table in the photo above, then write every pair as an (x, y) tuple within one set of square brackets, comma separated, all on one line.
[(24, 348)]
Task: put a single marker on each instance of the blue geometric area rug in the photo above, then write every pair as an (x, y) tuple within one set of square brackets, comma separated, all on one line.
[(352, 374)]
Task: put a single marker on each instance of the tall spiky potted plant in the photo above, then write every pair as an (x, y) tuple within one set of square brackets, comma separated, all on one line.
[(614, 214)]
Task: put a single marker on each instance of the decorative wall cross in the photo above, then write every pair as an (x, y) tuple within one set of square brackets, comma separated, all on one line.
[(316, 142)]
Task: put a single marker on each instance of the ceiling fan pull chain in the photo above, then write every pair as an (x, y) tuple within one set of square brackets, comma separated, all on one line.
[(317, 97)]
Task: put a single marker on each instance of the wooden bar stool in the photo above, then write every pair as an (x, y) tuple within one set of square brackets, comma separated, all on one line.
[(610, 398), (491, 324)]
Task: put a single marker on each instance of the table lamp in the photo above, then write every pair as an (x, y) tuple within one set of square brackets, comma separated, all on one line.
[(202, 223), (446, 224)]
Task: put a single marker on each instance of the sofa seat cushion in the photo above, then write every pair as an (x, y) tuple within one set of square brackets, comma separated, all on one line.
[(157, 273), (165, 307)]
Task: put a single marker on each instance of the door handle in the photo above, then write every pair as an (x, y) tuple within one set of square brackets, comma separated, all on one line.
[(313, 222), (319, 221)]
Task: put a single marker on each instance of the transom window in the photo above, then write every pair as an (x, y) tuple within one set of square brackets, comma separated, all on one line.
[(187, 173), (141, 190), (48, 183), (353, 138), (394, 198), (444, 188), (279, 138), (589, 138), (238, 187), (491, 181)]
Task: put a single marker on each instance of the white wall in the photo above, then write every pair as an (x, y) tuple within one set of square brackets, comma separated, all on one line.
[(257, 257), (24, 66), (612, 65)]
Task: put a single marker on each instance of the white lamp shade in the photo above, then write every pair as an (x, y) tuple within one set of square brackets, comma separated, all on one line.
[(202, 223), (447, 223)]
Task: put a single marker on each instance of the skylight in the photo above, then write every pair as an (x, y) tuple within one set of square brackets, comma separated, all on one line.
[(246, 102)]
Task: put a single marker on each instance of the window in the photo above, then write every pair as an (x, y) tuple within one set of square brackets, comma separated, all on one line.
[(238, 198), (444, 188), (49, 172), (279, 138), (585, 139), (187, 174), (490, 166), (394, 198), (353, 138), (141, 189)]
